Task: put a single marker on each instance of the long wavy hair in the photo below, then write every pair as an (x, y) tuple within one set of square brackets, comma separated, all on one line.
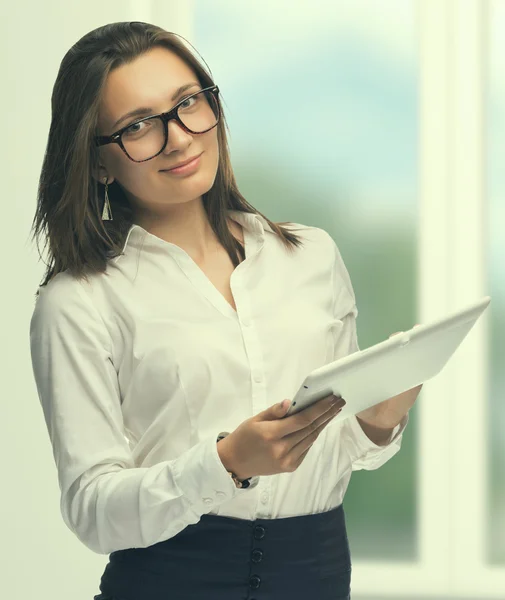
[(70, 199)]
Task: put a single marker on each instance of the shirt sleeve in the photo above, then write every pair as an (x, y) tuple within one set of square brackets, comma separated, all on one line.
[(106, 500), (363, 453)]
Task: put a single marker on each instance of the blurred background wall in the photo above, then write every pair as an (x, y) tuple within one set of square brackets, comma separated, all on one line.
[(353, 116)]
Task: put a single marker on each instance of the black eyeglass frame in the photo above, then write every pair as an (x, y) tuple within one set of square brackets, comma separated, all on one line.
[(115, 138)]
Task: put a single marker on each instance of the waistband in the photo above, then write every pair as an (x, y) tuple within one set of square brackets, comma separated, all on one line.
[(225, 558)]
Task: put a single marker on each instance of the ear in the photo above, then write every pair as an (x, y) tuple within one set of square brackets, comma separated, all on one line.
[(101, 175)]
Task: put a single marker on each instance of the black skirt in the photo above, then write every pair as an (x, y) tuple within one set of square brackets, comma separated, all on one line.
[(223, 558)]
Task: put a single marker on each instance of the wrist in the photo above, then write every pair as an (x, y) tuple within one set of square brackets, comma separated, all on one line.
[(379, 419), (378, 434), (224, 455), (227, 457)]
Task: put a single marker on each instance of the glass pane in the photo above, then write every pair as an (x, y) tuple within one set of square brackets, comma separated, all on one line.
[(322, 103), (496, 274)]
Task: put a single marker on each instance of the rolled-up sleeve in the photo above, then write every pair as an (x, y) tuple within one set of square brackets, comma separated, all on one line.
[(363, 453), (107, 501)]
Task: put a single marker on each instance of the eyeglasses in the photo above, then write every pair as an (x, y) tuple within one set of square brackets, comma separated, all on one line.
[(146, 138)]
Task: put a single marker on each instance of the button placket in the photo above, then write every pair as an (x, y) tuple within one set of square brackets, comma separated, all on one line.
[(256, 365), (255, 355), (257, 556)]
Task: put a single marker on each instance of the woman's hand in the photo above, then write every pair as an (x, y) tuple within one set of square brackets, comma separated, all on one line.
[(270, 443)]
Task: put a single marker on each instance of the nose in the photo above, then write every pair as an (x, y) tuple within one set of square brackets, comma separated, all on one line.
[(177, 136)]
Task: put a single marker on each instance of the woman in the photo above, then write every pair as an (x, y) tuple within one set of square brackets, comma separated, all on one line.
[(173, 312)]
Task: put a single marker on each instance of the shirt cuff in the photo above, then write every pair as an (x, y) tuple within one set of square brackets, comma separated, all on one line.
[(364, 453), (202, 477)]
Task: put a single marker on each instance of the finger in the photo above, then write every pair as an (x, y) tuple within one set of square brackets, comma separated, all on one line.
[(418, 325), (306, 417)]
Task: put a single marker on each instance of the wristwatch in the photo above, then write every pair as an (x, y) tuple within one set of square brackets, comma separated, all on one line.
[(240, 483)]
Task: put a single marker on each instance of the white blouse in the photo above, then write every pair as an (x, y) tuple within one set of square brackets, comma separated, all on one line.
[(139, 369)]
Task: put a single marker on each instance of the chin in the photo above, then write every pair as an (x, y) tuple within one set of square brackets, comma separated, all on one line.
[(198, 186), (203, 180)]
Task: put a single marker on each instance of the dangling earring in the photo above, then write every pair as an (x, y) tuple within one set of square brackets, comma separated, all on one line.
[(107, 213)]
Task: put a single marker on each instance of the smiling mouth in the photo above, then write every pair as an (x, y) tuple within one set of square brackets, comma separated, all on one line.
[(190, 162)]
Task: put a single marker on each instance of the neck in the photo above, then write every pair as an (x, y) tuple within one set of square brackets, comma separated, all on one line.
[(185, 224)]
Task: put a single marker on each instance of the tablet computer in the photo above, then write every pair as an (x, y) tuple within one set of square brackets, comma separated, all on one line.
[(403, 361)]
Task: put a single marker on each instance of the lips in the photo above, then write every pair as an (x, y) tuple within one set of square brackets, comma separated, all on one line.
[(183, 163)]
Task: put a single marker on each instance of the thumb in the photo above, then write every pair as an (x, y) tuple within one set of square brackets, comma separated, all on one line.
[(274, 412), (280, 409), (283, 406)]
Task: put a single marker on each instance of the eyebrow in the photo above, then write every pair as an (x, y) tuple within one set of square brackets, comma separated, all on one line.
[(144, 111)]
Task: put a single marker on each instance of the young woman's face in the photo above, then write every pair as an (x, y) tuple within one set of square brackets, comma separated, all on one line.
[(151, 81)]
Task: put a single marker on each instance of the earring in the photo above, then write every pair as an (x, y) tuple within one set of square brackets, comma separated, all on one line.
[(107, 213)]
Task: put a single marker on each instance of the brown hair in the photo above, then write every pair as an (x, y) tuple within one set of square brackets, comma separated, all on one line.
[(68, 201)]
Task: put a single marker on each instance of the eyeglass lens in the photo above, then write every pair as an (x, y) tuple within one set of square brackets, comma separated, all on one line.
[(146, 139)]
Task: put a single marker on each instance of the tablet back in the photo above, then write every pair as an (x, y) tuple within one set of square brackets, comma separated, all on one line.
[(370, 376)]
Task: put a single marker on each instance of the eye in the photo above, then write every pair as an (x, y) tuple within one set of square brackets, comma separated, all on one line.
[(131, 131), (183, 102)]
